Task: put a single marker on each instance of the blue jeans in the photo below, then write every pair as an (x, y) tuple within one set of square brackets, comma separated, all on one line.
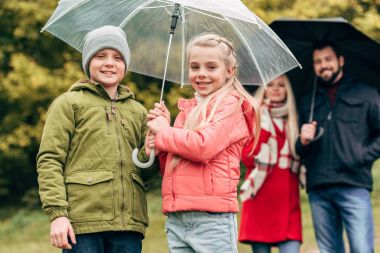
[(284, 247), (336, 207), (190, 232), (107, 242)]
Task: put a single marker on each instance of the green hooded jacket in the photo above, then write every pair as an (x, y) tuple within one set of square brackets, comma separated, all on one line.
[(85, 169)]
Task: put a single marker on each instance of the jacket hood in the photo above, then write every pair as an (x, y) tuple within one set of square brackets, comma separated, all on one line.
[(249, 114), (123, 91), (250, 118)]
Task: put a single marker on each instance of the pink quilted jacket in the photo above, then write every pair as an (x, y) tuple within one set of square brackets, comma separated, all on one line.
[(206, 177)]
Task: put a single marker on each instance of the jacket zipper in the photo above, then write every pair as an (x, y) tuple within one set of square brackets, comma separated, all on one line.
[(330, 125), (173, 184), (329, 115), (328, 130), (113, 112), (109, 119)]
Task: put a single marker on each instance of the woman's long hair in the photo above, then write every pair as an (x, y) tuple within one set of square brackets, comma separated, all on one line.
[(203, 113), (291, 126)]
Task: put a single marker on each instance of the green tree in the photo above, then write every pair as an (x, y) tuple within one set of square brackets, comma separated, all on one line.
[(30, 73)]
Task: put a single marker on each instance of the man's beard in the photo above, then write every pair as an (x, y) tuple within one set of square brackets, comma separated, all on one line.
[(330, 81)]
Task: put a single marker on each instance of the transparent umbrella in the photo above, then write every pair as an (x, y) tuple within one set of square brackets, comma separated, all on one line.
[(150, 26)]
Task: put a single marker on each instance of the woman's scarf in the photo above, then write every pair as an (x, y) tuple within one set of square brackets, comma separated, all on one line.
[(268, 155)]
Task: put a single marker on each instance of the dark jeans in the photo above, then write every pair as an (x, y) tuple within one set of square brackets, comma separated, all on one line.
[(339, 207), (107, 242)]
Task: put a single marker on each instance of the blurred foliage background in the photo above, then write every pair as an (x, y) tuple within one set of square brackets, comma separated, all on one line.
[(35, 68)]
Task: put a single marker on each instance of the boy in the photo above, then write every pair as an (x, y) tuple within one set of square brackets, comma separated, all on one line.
[(89, 187)]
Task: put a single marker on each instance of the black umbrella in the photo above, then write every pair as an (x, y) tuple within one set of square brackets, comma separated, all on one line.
[(361, 53)]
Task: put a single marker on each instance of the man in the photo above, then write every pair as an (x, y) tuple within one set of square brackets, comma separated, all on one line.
[(339, 163)]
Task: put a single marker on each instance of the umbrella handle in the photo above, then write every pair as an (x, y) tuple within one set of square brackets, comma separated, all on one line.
[(140, 164), (319, 135), (175, 16)]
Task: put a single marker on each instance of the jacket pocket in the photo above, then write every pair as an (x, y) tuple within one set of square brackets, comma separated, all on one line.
[(351, 110), (90, 195), (139, 207), (208, 182)]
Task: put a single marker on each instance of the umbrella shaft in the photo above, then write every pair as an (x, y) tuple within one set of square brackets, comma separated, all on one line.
[(166, 66), (173, 25), (311, 116)]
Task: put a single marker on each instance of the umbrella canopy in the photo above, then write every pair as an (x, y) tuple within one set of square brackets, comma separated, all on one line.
[(262, 55), (361, 53)]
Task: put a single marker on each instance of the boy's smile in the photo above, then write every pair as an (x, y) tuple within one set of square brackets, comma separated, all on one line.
[(107, 67)]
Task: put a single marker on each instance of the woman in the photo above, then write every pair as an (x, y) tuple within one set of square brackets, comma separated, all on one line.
[(271, 214)]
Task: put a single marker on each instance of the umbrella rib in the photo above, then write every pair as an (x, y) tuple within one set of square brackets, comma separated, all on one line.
[(204, 13), (161, 6), (254, 15), (183, 20), (167, 10), (246, 45), (67, 11), (134, 12), (168, 4), (156, 7)]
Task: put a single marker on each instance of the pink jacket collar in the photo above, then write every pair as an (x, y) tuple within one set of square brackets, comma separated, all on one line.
[(185, 104)]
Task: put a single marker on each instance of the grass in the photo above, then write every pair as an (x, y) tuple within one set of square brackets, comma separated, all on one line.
[(23, 231)]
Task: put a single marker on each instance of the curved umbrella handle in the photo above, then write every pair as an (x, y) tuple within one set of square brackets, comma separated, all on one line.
[(321, 131), (140, 164)]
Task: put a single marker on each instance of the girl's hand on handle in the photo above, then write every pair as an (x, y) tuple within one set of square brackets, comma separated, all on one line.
[(60, 229), (308, 132), (164, 111), (158, 124), (153, 113), (159, 110)]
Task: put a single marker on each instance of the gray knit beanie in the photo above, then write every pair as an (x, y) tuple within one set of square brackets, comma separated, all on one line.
[(108, 36)]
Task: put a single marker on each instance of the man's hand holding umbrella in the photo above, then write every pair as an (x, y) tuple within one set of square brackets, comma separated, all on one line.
[(308, 132)]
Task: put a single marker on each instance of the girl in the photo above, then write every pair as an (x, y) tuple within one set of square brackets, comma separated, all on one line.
[(200, 155), (273, 216)]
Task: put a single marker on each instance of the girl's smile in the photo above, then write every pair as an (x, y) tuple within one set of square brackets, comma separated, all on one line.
[(207, 70)]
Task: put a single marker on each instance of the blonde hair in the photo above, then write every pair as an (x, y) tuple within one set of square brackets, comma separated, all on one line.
[(201, 116), (291, 126)]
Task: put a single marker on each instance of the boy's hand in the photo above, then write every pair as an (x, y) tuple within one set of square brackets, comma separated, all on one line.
[(308, 132), (149, 143), (60, 229)]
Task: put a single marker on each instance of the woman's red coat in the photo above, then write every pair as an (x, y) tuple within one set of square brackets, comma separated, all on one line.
[(274, 214)]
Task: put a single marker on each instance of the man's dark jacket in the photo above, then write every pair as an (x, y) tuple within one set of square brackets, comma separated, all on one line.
[(351, 140)]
